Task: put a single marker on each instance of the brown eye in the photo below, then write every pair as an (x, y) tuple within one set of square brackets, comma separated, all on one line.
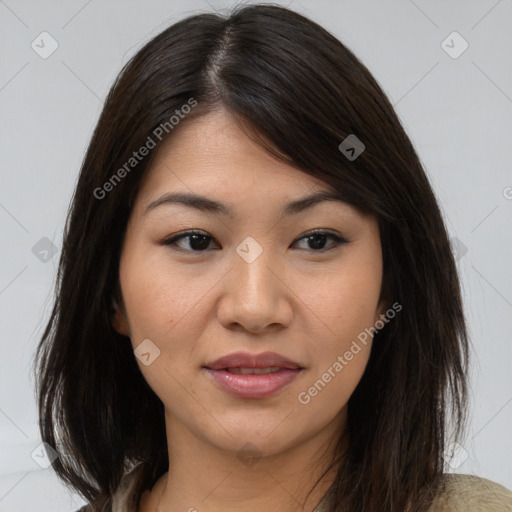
[(198, 241), (317, 239)]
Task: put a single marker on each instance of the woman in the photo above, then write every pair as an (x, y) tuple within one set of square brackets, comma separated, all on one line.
[(258, 308)]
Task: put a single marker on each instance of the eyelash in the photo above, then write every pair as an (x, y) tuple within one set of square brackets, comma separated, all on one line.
[(338, 240)]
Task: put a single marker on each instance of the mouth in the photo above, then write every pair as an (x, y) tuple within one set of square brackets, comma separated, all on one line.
[(246, 375)]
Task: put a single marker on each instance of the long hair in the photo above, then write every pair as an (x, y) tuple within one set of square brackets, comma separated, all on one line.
[(300, 93)]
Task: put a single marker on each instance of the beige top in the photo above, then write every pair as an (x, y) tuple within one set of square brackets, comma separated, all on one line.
[(459, 493)]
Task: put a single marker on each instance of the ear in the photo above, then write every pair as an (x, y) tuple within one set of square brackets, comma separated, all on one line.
[(384, 302), (382, 307), (119, 321)]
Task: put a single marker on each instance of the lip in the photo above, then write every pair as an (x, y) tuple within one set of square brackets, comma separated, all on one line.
[(248, 360), (253, 385)]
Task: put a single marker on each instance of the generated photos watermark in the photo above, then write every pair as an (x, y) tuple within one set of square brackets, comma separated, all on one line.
[(137, 156), (304, 397)]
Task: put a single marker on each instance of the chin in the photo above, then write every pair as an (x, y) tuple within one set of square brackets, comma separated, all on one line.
[(272, 438)]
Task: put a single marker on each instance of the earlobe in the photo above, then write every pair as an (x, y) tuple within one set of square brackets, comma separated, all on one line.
[(119, 322)]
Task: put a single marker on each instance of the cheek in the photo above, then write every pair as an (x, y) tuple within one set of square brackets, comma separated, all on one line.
[(348, 309), (328, 390), (159, 299), (346, 301), (340, 357), (168, 306), (160, 305)]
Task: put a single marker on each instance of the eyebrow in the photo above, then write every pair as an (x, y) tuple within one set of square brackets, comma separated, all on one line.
[(204, 204)]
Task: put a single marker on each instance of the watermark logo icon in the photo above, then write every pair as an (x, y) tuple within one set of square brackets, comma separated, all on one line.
[(249, 454), (458, 248), (454, 45), (44, 45), (249, 249), (44, 250), (146, 352), (44, 455), (455, 455), (351, 147)]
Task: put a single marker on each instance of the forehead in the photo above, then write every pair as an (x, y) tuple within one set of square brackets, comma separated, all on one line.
[(212, 155)]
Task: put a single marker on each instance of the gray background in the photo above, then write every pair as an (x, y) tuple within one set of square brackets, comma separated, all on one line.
[(456, 109)]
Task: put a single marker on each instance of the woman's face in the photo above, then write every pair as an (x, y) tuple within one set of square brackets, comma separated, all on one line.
[(251, 282)]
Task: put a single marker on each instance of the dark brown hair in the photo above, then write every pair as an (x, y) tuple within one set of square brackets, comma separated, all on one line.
[(300, 92)]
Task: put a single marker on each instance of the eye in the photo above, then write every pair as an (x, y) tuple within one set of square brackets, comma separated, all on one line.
[(317, 239), (198, 241)]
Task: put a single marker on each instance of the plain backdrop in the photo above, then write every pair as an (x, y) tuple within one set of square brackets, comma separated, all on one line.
[(455, 103)]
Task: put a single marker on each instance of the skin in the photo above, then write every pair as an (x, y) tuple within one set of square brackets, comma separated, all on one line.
[(197, 305)]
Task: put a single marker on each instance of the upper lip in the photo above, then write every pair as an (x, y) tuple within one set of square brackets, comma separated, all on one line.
[(248, 360)]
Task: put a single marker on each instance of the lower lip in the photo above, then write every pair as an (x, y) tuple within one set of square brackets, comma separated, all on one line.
[(255, 385)]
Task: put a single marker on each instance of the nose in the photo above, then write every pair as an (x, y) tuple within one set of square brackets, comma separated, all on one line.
[(255, 296)]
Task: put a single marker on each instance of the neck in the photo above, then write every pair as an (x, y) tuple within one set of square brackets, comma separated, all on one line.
[(203, 477)]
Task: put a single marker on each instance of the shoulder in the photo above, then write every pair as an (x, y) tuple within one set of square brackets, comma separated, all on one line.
[(457, 493), (463, 493)]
